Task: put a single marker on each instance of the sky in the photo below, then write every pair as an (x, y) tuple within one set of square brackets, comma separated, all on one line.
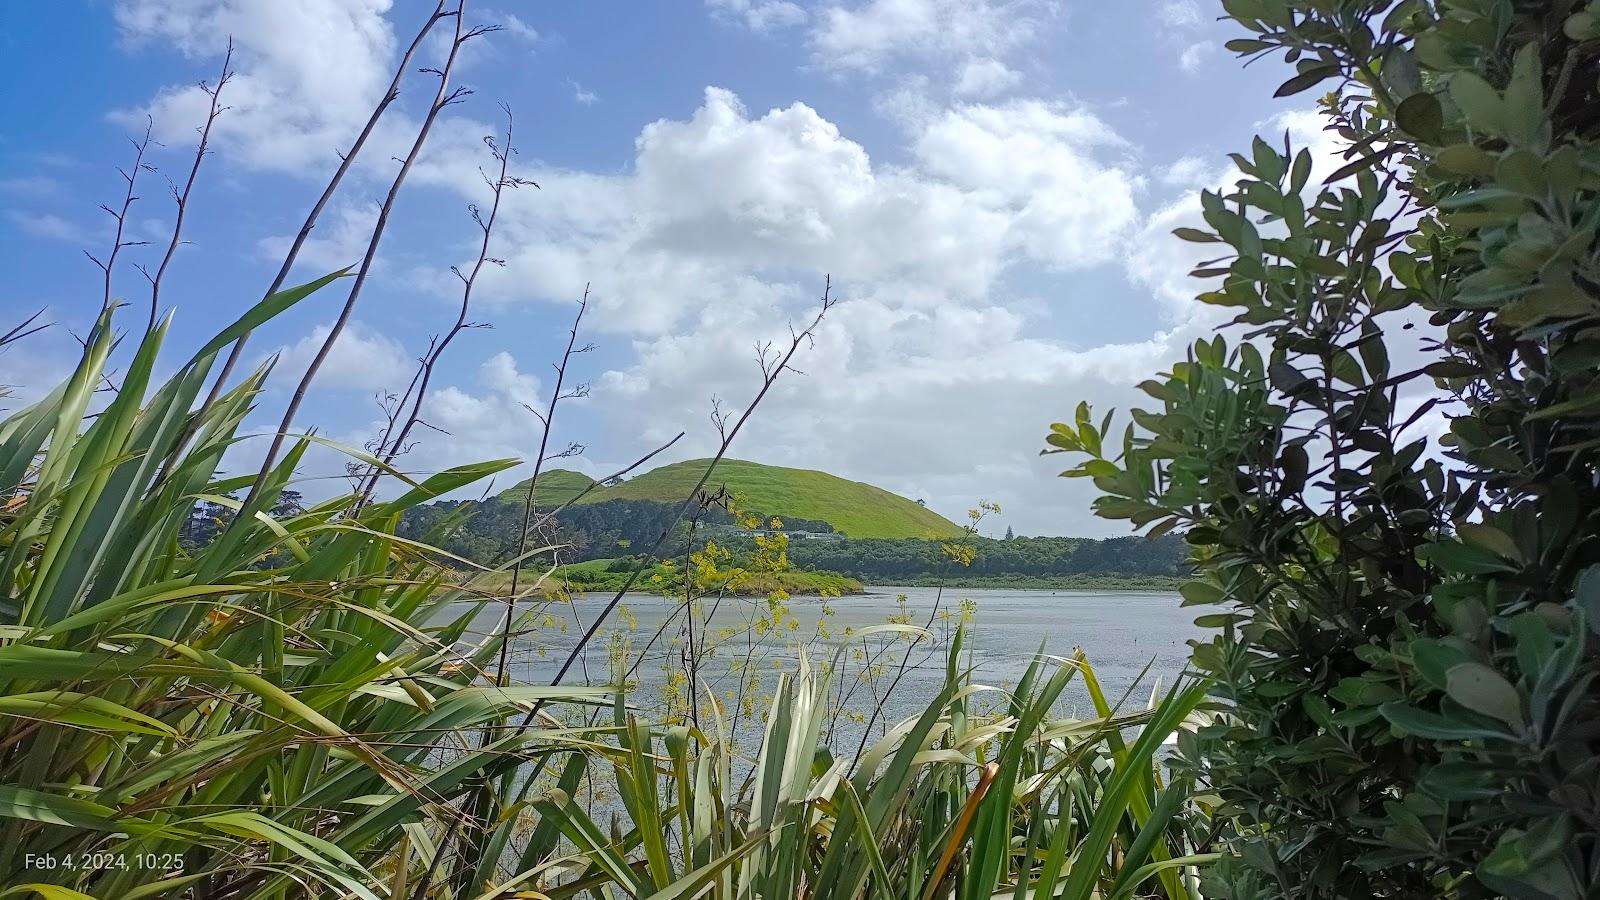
[(990, 184)]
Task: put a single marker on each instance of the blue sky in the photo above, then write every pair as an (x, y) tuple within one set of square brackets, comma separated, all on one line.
[(991, 184)]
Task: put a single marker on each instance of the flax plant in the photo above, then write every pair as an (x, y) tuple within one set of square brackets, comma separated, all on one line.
[(273, 714)]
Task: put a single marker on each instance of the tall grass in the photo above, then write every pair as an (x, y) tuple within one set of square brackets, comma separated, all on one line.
[(266, 716), (948, 803), (294, 710)]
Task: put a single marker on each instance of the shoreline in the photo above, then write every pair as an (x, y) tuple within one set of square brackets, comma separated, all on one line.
[(1130, 584), (801, 583)]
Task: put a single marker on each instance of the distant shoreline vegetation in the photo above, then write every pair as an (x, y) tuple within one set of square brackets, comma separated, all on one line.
[(601, 575), (1129, 583), (841, 534), (592, 576)]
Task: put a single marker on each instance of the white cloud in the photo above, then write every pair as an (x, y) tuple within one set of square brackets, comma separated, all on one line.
[(1181, 14), (47, 225), (581, 95), (869, 35), (516, 27), (985, 78), (361, 359), (1068, 207), (31, 185), (1195, 55), (948, 402), (1182, 22), (719, 233), (758, 15), (726, 208), (339, 240), (481, 418), (308, 72), (1190, 172), (491, 417)]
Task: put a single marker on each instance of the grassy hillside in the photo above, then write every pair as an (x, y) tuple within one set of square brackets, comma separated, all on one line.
[(556, 487), (859, 510)]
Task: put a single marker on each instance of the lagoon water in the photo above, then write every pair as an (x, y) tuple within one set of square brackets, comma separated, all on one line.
[(1135, 641)]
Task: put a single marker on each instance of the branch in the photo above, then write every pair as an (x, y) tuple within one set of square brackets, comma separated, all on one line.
[(533, 483), (769, 376), (22, 330), (345, 161), (366, 266), (194, 170), (140, 146), (389, 447)]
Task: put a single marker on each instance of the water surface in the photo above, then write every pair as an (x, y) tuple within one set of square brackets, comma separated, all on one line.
[(1136, 641)]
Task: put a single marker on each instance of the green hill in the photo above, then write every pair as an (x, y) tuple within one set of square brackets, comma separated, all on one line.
[(859, 510), (556, 487)]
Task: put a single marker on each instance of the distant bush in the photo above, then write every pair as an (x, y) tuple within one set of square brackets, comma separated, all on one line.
[(1408, 675)]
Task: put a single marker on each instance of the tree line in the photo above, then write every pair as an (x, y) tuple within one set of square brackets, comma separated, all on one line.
[(486, 531)]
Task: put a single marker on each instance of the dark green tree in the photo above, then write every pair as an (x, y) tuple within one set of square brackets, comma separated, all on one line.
[(1406, 664)]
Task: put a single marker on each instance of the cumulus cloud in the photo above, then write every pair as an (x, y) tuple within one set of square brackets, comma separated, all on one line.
[(719, 234), (1067, 204), (1182, 23), (985, 78), (492, 416), (476, 418), (308, 72), (362, 359), (867, 36), (340, 240), (725, 208)]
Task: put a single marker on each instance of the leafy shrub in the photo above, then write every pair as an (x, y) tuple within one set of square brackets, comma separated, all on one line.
[(1406, 670)]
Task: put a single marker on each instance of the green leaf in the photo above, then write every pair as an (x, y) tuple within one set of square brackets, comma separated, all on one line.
[(1586, 596), (1492, 539), (1201, 593), (1524, 101), (1483, 690), (1300, 172), (1533, 863), (1479, 102), (1462, 559), (1566, 408), (39, 806), (1422, 117), (1451, 368), (1433, 726), (1307, 79), (264, 311), (1466, 159), (1434, 658), (1362, 164), (47, 891)]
